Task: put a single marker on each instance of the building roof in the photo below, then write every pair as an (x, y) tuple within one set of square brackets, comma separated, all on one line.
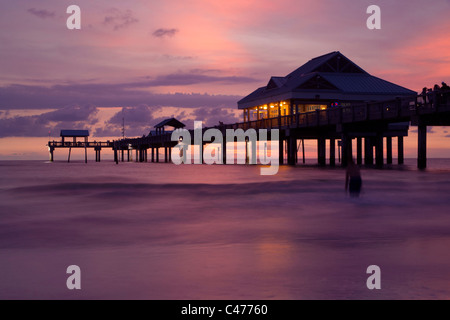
[(329, 77), (172, 122), (74, 133)]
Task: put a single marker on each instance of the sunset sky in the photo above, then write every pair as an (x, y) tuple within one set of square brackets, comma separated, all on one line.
[(193, 59)]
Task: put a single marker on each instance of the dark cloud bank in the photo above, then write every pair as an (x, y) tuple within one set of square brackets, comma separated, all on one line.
[(77, 105), (17, 96)]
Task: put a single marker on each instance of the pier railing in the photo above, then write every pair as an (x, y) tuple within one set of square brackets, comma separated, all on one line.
[(80, 144), (397, 110)]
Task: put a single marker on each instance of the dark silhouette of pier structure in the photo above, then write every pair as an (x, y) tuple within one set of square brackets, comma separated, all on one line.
[(69, 140), (328, 99), (373, 125)]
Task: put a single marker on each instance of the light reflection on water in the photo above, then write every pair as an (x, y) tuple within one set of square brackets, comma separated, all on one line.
[(160, 231)]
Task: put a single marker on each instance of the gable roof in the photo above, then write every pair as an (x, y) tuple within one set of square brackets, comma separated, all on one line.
[(74, 133), (332, 76), (172, 122)]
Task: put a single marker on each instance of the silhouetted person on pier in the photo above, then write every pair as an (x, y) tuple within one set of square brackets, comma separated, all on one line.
[(353, 181), (424, 95), (445, 89)]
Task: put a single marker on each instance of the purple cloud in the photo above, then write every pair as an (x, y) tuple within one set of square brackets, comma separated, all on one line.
[(213, 116), (138, 120), (161, 33), (118, 95), (74, 117), (119, 19), (41, 13)]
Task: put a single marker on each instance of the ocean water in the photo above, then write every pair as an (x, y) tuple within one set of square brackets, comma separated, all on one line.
[(161, 231)]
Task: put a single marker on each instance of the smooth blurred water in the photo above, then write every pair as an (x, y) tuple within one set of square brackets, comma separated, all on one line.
[(160, 231)]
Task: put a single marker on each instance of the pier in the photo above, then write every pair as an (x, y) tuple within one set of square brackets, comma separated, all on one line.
[(372, 125), (84, 144), (329, 99)]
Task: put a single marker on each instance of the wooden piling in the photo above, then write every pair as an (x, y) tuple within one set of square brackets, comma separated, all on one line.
[(292, 150), (321, 151), (332, 152), (281, 151), (422, 146), (379, 151), (400, 152), (368, 151), (389, 150), (359, 150)]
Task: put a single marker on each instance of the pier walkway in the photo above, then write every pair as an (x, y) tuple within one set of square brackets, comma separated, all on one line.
[(375, 123)]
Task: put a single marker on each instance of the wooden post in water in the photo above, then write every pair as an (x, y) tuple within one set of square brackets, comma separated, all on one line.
[(224, 152), (281, 151), (368, 151), (303, 151), (157, 154), (422, 146), (321, 151), (292, 149), (247, 160), (389, 150), (400, 154), (379, 151), (359, 150), (332, 152), (347, 151), (51, 149)]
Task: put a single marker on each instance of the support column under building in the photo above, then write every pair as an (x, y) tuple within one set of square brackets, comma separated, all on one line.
[(292, 150), (224, 152), (347, 152), (321, 151), (389, 150), (359, 150), (379, 151), (400, 153), (368, 151), (281, 151), (332, 152), (422, 146)]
